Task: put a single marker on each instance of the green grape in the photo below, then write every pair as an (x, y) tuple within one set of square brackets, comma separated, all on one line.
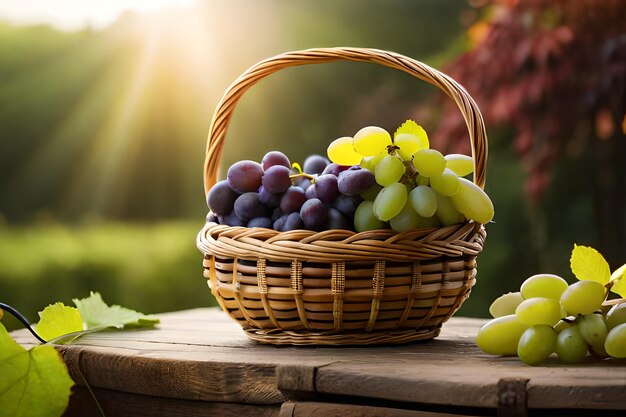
[(429, 162), (473, 202), (446, 212), (390, 201), (422, 180), (536, 344), (371, 192), (407, 219), (570, 345), (593, 329), (409, 144), (364, 218), (340, 151), (615, 343), (462, 165), (501, 336), (389, 170), (539, 310), (445, 184), (505, 304), (543, 285), (583, 297), (616, 316), (561, 325), (371, 140), (371, 162), (423, 200)]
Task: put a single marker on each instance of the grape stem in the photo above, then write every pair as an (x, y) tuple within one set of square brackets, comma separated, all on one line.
[(305, 175), (22, 320)]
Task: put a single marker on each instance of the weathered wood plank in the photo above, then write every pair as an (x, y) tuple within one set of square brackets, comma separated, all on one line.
[(324, 409)]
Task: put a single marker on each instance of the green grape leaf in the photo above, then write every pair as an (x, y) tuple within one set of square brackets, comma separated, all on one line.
[(618, 277), (413, 128), (57, 320), (96, 314), (589, 265), (34, 382)]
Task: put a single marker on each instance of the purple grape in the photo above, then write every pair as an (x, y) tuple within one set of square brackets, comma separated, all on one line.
[(279, 223), (347, 204), (245, 176), (271, 200), (293, 222), (276, 214), (248, 206), (211, 217), (315, 164), (231, 219), (326, 188), (292, 200), (355, 181), (302, 182), (274, 158), (334, 169), (336, 220), (265, 222), (310, 192), (314, 214), (276, 179), (221, 198)]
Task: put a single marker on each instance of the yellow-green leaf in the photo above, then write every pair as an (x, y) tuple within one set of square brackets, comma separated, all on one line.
[(589, 265), (96, 313), (413, 128), (34, 383), (57, 320), (618, 277)]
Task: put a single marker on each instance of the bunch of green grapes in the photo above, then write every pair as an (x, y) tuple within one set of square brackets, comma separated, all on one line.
[(549, 316), (415, 186)]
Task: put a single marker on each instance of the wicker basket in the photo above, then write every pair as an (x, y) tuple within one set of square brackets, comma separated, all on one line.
[(339, 287)]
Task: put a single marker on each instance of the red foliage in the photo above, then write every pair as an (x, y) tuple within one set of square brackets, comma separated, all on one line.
[(547, 68)]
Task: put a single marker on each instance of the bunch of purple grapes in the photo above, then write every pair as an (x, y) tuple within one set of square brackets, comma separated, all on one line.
[(274, 196)]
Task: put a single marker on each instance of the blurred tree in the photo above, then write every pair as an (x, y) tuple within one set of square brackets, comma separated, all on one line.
[(555, 71)]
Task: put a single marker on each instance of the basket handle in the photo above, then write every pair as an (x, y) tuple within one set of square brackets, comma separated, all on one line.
[(224, 110)]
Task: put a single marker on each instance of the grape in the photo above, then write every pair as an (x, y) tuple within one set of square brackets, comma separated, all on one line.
[(389, 170), (347, 204), (334, 169), (326, 188), (302, 182), (371, 140), (292, 200), (446, 212), (615, 344), (341, 152), (293, 222), (276, 214), (211, 217), (371, 193), (539, 310), (231, 219), (561, 325), (221, 198), (364, 218), (407, 219), (245, 176), (371, 162), (543, 285), (271, 200), (275, 158), (536, 344), (279, 223), (314, 214), (473, 202), (583, 297), (423, 200), (355, 181), (390, 201), (409, 144), (461, 165), (570, 345), (616, 315), (505, 304), (593, 329), (265, 222), (315, 164), (248, 206), (429, 162), (501, 336), (310, 192), (276, 179), (445, 184), (336, 220)]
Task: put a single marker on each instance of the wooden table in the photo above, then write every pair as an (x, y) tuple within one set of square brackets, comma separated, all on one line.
[(199, 362)]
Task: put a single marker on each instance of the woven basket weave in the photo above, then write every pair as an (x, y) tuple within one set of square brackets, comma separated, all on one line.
[(340, 287)]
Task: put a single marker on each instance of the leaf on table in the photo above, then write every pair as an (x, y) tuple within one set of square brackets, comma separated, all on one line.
[(589, 265), (34, 383), (96, 313), (619, 281), (58, 319)]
